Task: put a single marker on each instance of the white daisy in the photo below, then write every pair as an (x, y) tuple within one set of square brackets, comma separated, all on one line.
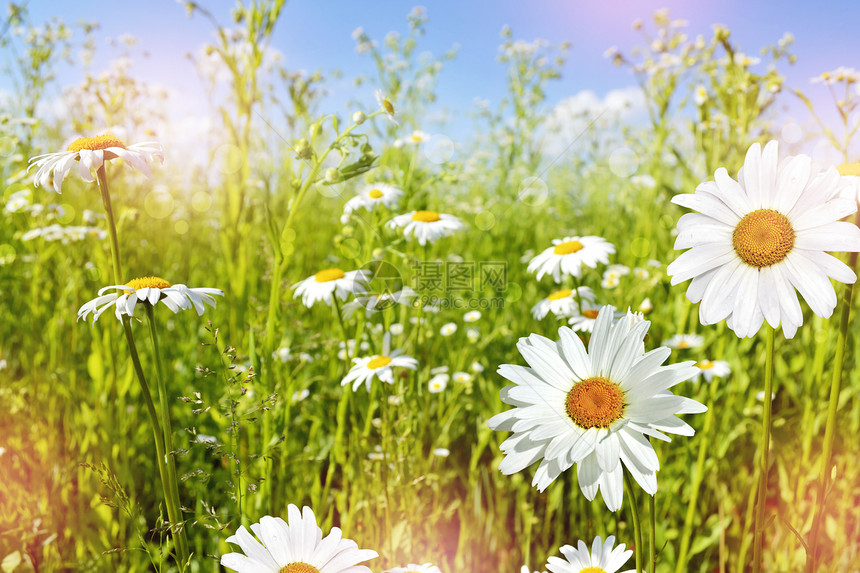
[(90, 153), (326, 283), (148, 290), (472, 316), (396, 329), (593, 408), (414, 568), (462, 377), (645, 306), (567, 256), (417, 138), (473, 335), (610, 282), (372, 196), (373, 303), (476, 367), (563, 303), (617, 270), (641, 274), (448, 329), (441, 452), (756, 240), (684, 341), (296, 546), (440, 379), (378, 365), (426, 226), (711, 368), (386, 106), (584, 321), (602, 558)]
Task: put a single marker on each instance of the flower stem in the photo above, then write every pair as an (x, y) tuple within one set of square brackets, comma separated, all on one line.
[(114, 242), (830, 425), (637, 525), (652, 534), (765, 448)]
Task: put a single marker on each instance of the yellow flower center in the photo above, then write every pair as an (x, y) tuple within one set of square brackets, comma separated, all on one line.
[(683, 344), (98, 142), (425, 216), (763, 238), (595, 403), (849, 169), (567, 247), (592, 570), (590, 313), (147, 282), (560, 294), (329, 275), (705, 365), (416, 138), (375, 193), (389, 108), (379, 362), (298, 567)]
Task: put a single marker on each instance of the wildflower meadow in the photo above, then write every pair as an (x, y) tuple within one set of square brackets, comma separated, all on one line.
[(313, 324)]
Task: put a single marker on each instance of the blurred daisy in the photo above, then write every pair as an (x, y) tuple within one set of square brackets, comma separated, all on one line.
[(438, 383), (592, 408), (90, 153), (472, 316), (711, 368), (756, 240), (448, 329), (386, 106), (300, 395), (602, 559), (148, 290), (442, 452), (473, 335), (584, 321), (562, 303), (426, 226), (641, 274), (645, 306), (296, 546), (326, 283), (476, 367), (413, 568), (374, 303), (616, 270), (462, 377), (567, 256), (610, 282), (372, 196), (417, 138), (684, 341), (379, 366), (396, 329)]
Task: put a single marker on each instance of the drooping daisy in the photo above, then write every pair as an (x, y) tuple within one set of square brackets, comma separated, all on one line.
[(603, 558), (296, 546), (372, 196), (684, 341), (567, 256), (426, 226), (414, 568), (711, 368), (90, 153), (378, 365), (331, 282), (584, 321), (592, 408), (148, 290), (756, 240), (386, 106), (563, 303)]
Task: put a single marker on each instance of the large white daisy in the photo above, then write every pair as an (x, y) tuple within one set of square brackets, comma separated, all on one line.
[(331, 282), (592, 408), (294, 547), (755, 240), (426, 226), (563, 303), (567, 256), (602, 559), (90, 153), (148, 290), (372, 196), (379, 365)]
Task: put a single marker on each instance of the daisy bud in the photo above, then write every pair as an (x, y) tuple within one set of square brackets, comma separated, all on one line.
[(358, 117)]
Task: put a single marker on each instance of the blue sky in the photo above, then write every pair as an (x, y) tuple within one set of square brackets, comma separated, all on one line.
[(316, 34)]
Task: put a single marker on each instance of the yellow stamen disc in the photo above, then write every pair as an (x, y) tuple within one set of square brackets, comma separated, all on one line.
[(299, 567), (590, 313), (425, 216), (763, 238), (98, 142), (147, 282), (560, 294), (567, 247), (389, 108), (592, 569), (683, 344), (379, 362), (329, 275), (595, 403), (705, 365), (417, 138), (849, 169), (375, 193)]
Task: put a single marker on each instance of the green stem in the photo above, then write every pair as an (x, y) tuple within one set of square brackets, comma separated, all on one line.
[(830, 426), (114, 241), (652, 534), (637, 525), (765, 449)]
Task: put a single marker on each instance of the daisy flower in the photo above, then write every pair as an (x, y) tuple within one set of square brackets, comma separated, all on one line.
[(602, 558), (413, 568), (473, 335), (593, 408), (379, 366), (386, 106), (757, 239), (562, 303), (440, 379), (330, 282), (641, 274), (296, 546), (610, 282), (448, 329), (645, 306), (567, 256), (417, 138), (684, 341), (850, 173), (426, 226), (472, 316), (711, 368), (584, 321), (148, 290), (476, 367), (374, 303), (90, 153), (441, 452), (372, 196), (462, 377)]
